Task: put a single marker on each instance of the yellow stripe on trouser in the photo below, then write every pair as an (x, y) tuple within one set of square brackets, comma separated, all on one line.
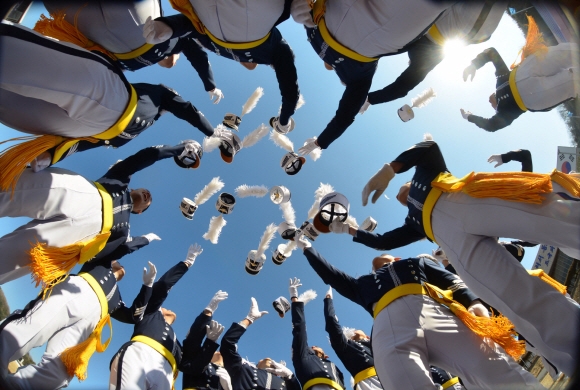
[(322, 381), (450, 383), (435, 35), (365, 374), (76, 359), (525, 187), (515, 91), (497, 328), (185, 7), (318, 11), (111, 132), (51, 265), (162, 350)]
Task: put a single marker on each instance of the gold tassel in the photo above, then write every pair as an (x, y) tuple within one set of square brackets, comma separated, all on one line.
[(57, 27), (51, 265), (544, 277), (497, 328), (14, 159), (514, 186), (527, 187), (568, 182), (76, 359), (534, 43)]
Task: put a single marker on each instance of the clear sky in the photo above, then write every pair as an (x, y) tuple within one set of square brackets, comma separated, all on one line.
[(376, 137)]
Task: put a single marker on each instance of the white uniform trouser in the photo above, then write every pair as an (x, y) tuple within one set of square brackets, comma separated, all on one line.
[(65, 206), (414, 332), (544, 81), (467, 229), (118, 27), (47, 91), (371, 383), (377, 27), (143, 368), (64, 319)]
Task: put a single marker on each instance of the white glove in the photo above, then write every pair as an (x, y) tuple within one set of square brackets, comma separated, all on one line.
[(300, 11), (495, 158), (156, 32), (310, 145), (40, 162), (214, 330), (151, 237), (469, 71), (217, 94), (279, 370), (365, 106), (217, 298), (192, 253), (378, 183), (465, 114), (254, 312), (478, 310), (329, 293), (293, 287), (302, 242), (225, 379), (337, 226), (149, 276)]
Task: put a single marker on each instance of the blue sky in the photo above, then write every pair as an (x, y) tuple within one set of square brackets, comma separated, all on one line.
[(376, 137)]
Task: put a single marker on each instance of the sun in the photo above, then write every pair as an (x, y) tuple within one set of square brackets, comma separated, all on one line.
[(455, 55)]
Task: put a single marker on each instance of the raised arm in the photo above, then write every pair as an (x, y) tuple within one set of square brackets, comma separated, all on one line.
[(523, 156), (135, 313), (283, 64), (396, 238), (184, 110), (299, 336), (496, 122), (198, 58), (229, 351), (139, 161), (491, 55), (338, 340), (352, 100), (195, 355)]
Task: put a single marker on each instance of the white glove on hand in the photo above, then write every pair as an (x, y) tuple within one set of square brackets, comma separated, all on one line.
[(293, 287), (495, 158), (478, 310), (192, 253), (254, 312), (378, 183), (214, 330), (149, 276), (365, 106), (225, 379), (217, 94), (217, 298), (465, 114), (156, 32), (469, 71), (329, 293), (300, 11), (310, 145), (151, 237), (40, 162), (337, 226), (302, 242), (279, 370)]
